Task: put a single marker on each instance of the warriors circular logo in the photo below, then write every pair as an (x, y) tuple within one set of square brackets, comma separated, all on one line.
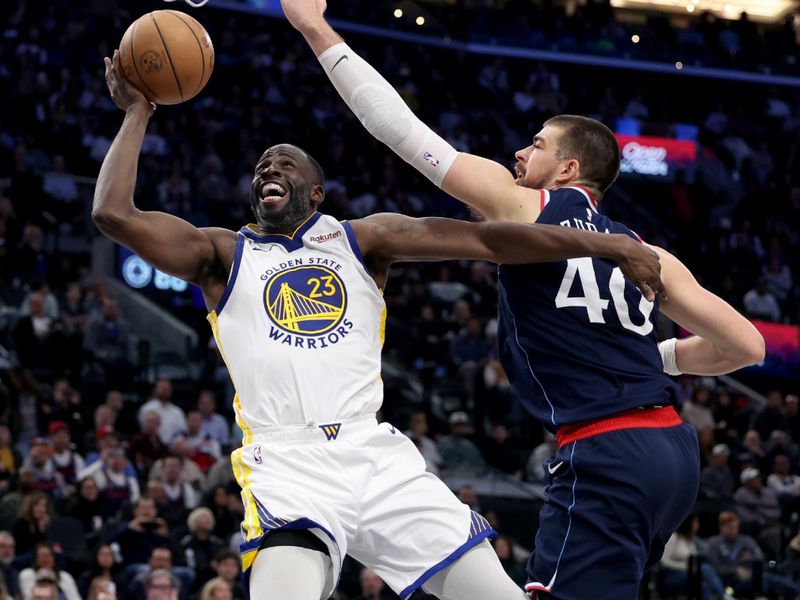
[(306, 300)]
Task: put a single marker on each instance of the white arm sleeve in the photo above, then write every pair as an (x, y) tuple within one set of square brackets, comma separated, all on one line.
[(384, 114)]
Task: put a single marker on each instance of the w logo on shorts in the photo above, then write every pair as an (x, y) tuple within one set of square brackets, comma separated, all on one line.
[(331, 430)]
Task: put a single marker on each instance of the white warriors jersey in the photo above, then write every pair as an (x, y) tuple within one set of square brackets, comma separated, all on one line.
[(300, 326)]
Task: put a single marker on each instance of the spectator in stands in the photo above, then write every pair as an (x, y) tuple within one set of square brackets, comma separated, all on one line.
[(759, 510), (225, 520), (732, 555), (102, 588), (716, 481), (227, 565), (10, 460), (45, 588), (173, 421), (467, 494), (679, 549), (792, 412), (146, 531), (67, 462), (771, 417), (755, 448), (160, 584), (759, 303), (214, 425), (160, 560), (40, 462), (117, 484), (372, 586), (146, 447), (180, 494), (8, 571), (106, 343), (499, 454), (74, 314), (106, 439), (125, 415), (697, 411), (35, 517), (44, 565), (535, 470), (190, 472), (102, 567), (460, 456), (217, 589), (201, 448), (418, 432), (104, 421), (11, 503), (515, 570), (783, 482), (37, 338), (88, 507), (200, 546)]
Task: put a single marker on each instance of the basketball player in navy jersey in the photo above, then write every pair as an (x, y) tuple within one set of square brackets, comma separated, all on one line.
[(578, 342), (297, 311)]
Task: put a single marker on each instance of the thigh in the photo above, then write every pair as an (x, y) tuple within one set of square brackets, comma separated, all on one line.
[(299, 573), (611, 503), (293, 488), (411, 525)]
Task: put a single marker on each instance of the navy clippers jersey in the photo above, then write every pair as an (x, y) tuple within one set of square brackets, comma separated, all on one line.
[(578, 340)]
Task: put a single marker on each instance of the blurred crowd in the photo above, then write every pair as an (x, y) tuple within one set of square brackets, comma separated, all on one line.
[(114, 485)]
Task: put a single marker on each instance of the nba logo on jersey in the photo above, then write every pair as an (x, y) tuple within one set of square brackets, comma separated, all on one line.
[(257, 454), (331, 430), (306, 300)]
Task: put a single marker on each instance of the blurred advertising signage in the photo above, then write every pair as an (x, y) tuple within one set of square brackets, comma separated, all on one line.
[(655, 156), (783, 350), (165, 289), (782, 357)]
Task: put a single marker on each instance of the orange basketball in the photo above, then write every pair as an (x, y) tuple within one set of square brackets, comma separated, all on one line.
[(167, 55)]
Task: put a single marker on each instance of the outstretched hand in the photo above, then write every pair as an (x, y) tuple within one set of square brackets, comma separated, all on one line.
[(123, 92), (304, 14), (641, 265)]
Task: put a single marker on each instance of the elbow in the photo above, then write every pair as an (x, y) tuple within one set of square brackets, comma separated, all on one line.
[(756, 349), (107, 220)]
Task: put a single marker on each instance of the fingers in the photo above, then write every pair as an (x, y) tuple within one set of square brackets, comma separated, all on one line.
[(646, 290)]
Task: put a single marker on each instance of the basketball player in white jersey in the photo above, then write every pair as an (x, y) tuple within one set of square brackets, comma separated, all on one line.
[(296, 308)]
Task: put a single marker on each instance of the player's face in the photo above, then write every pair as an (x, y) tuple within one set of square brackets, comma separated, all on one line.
[(283, 192), (537, 165)]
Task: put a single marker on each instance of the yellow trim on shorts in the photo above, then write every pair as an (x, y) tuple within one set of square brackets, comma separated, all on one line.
[(251, 524), (382, 327), (237, 403)]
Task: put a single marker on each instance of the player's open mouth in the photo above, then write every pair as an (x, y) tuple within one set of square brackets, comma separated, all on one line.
[(271, 193), (518, 175)]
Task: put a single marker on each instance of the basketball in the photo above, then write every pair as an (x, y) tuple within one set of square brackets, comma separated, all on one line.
[(167, 55)]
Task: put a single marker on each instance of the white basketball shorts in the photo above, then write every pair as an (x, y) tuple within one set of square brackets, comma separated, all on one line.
[(363, 490)]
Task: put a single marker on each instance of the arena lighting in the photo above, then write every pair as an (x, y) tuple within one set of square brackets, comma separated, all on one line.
[(420, 21), (690, 8), (679, 65), (635, 38), (758, 10), (398, 12)]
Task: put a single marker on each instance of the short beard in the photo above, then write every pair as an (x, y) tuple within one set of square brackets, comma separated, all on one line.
[(296, 210)]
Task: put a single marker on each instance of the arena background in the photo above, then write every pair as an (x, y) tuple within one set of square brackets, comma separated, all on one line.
[(706, 105)]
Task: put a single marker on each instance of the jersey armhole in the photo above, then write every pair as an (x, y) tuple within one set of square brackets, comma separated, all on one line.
[(353, 242), (237, 261)]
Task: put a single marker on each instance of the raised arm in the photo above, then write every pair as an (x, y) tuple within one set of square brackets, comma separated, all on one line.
[(387, 238), (166, 242), (485, 185), (723, 340)]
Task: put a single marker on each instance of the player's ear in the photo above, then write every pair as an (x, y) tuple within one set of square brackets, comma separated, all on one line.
[(570, 170), (317, 194)]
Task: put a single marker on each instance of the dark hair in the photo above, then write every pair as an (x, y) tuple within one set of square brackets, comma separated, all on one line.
[(592, 144), (318, 170), (225, 555)]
